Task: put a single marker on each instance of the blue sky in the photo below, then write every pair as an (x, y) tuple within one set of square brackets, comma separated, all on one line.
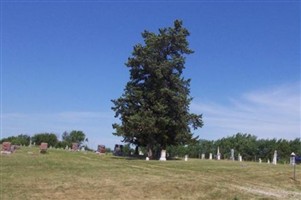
[(62, 63)]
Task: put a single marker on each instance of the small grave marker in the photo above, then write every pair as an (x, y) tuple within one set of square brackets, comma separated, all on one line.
[(118, 150), (43, 147), (6, 148), (210, 156), (74, 146), (239, 158), (101, 149), (163, 155)]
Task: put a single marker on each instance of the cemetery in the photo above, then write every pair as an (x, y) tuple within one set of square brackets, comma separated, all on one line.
[(61, 72), (58, 173)]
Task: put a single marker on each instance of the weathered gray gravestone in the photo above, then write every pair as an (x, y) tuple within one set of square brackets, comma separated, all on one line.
[(203, 156), (232, 155)]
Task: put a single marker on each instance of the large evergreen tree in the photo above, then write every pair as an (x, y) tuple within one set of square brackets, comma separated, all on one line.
[(154, 109)]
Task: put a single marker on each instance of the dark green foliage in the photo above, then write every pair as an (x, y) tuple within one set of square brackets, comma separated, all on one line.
[(49, 138), (154, 109), (18, 140), (74, 137), (62, 144), (248, 146)]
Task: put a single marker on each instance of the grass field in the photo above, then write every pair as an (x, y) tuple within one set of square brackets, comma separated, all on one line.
[(59, 174)]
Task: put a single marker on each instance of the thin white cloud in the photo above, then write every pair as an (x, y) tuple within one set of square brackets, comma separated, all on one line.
[(266, 113)]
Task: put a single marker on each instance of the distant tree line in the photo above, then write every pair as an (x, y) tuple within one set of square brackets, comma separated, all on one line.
[(248, 146), (51, 138)]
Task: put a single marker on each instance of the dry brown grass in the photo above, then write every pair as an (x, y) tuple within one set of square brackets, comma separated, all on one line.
[(76, 175)]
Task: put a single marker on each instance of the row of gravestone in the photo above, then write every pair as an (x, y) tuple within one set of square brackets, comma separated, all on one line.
[(8, 148)]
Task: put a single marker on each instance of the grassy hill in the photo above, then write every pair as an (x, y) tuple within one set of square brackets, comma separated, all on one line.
[(60, 174)]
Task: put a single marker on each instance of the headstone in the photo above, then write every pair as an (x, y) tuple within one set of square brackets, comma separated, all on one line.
[(6, 148), (293, 159), (50, 147), (140, 153), (43, 147), (239, 158), (30, 143), (34, 144), (203, 156), (163, 155), (218, 155), (147, 158), (268, 161), (118, 150), (275, 158), (67, 147), (101, 148), (82, 149), (260, 160), (232, 155), (74, 146), (210, 156), (186, 157)]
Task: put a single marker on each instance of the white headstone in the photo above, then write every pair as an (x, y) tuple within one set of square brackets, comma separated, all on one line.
[(232, 155), (293, 159), (203, 156), (140, 153), (147, 158), (210, 156), (163, 155), (82, 149), (239, 158), (186, 157), (260, 160), (275, 158), (268, 161), (218, 156), (66, 148)]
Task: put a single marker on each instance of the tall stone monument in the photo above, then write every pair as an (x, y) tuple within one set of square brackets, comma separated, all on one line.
[(218, 155), (210, 156), (275, 158)]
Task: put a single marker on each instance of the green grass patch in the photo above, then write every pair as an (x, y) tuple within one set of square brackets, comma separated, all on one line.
[(60, 174)]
